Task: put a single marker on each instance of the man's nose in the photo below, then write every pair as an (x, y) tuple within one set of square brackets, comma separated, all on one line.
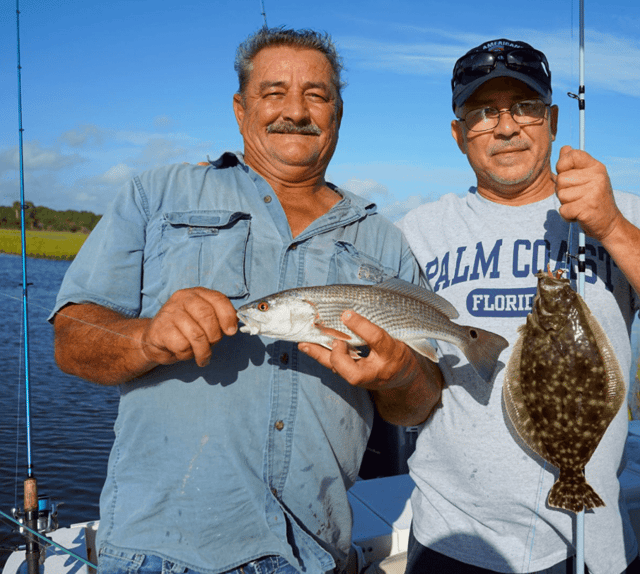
[(295, 108), (507, 126)]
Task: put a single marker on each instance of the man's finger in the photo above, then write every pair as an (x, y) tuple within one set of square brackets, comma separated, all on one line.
[(570, 159), (374, 336), (317, 352), (225, 313)]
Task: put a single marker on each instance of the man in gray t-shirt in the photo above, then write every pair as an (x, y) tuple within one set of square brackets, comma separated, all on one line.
[(480, 501)]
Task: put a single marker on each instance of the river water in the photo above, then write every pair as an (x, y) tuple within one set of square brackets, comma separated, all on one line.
[(71, 420)]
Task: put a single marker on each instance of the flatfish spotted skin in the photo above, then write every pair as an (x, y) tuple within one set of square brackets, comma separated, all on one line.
[(563, 386)]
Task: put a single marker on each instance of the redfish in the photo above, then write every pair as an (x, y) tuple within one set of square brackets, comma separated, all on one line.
[(563, 385), (407, 312)]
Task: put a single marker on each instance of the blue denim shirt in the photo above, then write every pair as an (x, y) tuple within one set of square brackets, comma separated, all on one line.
[(252, 455)]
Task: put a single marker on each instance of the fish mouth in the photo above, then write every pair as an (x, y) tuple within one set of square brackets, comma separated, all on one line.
[(250, 325)]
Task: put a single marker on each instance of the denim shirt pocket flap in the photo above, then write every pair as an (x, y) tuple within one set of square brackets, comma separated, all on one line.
[(207, 249)]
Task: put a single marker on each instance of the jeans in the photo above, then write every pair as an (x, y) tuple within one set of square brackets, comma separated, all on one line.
[(142, 564)]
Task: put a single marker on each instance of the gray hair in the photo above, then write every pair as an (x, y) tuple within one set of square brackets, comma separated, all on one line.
[(302, 39)]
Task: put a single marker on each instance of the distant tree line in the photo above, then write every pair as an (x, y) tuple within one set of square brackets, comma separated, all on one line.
[(45, 219)]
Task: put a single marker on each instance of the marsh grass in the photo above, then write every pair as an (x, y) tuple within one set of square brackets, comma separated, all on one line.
[(42, 244)]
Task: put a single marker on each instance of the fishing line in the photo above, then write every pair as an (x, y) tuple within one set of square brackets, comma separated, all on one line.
[(102, 328), (18, 409), (536, 515), (49, 541)]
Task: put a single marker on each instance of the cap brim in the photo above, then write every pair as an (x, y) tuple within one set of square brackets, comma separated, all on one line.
[(460, 97)]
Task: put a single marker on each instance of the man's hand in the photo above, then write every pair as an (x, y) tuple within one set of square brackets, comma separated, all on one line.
[(406, 387), (103, 346), (187, 326), (584, 189), (389, 364)]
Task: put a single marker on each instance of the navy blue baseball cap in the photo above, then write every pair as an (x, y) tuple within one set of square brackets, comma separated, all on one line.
[(501, 58)]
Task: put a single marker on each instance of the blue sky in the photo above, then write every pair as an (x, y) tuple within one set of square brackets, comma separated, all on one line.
[(113, 88)]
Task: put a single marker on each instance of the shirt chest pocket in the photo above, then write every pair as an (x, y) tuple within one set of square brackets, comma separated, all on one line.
[(350, 265), (207, 249)]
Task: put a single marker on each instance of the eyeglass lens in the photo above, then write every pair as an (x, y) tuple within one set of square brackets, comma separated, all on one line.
[(484, 119)]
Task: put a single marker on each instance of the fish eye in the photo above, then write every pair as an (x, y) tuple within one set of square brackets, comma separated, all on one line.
[(263, 306)]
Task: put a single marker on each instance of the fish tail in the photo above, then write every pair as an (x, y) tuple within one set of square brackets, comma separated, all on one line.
[(482, 349), (574, 493)]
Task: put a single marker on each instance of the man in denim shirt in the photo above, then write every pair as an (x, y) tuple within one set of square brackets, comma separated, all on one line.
[(234, 452)]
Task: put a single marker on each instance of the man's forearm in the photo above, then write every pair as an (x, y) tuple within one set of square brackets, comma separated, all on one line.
[(623, 245), (412, 404), (99, 345)]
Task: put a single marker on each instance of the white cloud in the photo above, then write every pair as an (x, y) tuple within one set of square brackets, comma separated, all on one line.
[(624, 173), (117, 175), (367, 188), (162, 121), (87, 134), (398, 209), (611, 61), (420, 59), (37, 157)]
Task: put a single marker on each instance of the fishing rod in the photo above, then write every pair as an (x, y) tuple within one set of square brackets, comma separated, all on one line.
[(30, 484), (264, 14), (49, 541), (579, 534)]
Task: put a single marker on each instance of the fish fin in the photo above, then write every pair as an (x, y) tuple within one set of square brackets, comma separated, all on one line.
[(615, 379), (574, 494), (515, 406), (423, 347), (353, 352), (421, 294), (482, 349), (333, 333)]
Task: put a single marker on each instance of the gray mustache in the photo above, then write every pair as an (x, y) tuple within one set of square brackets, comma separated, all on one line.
[(508, 146), (287, 128)]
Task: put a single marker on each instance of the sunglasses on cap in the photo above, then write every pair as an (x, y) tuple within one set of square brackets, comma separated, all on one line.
[(527, 61)]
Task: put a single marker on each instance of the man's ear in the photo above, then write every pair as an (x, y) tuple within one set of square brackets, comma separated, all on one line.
[(238, 109), (458, 135), (553, 121)]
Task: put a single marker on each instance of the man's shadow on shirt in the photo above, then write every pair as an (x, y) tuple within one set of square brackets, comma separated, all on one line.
[(230, 357)]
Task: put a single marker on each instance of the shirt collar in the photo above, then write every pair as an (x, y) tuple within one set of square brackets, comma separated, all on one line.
[(361, 205)]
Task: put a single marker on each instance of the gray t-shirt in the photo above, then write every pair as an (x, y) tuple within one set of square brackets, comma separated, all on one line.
[(480, 498)]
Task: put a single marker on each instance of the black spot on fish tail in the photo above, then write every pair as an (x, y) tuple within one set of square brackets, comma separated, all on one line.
[(572, 492), (482, 349)]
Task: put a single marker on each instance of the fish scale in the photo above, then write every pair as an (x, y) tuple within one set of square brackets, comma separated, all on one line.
[(562, 388), (407, 312), (403, 322)]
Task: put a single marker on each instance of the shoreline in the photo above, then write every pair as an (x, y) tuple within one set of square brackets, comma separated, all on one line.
[(55, 245)]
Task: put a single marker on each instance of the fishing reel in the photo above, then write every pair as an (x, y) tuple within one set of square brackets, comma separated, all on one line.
[(47, 515)]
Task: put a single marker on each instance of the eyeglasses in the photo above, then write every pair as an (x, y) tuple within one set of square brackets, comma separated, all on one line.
[(525, 60), (523, 113)]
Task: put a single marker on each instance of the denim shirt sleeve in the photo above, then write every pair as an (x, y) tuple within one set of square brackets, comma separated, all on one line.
[(108, 269)]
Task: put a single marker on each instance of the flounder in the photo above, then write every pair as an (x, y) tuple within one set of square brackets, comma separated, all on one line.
[(563, 385)]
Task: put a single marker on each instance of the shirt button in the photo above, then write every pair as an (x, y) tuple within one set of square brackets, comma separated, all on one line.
[(294, 247), (284, 358), (279, 425), (267, 199), (274, 492)]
